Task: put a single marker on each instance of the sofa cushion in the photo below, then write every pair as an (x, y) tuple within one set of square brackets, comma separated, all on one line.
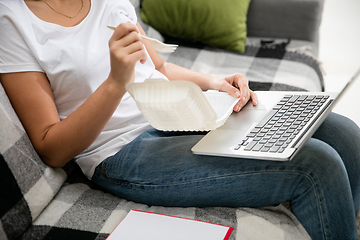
[(81, 210), (216, 23), (285, 19), (27, 185)]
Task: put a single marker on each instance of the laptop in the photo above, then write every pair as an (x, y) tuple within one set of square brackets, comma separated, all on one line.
[(275, 129)]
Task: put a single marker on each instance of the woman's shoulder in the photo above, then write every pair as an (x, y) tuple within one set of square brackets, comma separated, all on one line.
[(10, 7), (119, 3), (122, 6), (12, 12), (11, 3)]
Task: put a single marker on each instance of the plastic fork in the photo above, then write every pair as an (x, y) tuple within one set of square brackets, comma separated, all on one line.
[(157, 45)]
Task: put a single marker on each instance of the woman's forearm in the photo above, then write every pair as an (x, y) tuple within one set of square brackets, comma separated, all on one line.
[(175, 72), (66, 139), (236, 85), (57, 142)]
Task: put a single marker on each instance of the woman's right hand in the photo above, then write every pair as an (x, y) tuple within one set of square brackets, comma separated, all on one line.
[(126, 49)]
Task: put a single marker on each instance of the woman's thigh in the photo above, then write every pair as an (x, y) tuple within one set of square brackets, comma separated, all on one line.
[(343, 135), (158, 168), (163, 161)]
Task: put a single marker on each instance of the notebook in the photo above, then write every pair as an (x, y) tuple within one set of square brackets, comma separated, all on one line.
[(142, 225), (275, 129)]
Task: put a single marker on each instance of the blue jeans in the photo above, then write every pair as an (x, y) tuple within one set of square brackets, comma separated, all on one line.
[(322, 182)]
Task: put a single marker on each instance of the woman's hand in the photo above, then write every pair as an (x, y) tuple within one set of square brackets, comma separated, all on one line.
[(126, 49), (237, 86)]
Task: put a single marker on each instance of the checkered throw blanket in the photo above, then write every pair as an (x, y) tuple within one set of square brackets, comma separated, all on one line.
[(79, 210), (39, 202), (269, 67)]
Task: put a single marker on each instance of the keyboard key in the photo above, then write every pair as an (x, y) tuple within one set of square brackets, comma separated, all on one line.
[(268, 145), (302, 97), (311, 97), (274, 149), (281, 150), (294, 98), (250, 146), (266, 118), (272, 141), (265, 149), (257, 147), (251, 135)]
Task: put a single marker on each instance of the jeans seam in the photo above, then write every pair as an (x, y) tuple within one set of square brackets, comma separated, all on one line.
[(318, 202), (104, 165)]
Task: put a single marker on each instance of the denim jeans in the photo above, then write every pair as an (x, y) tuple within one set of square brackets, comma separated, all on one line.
[(321, 182)]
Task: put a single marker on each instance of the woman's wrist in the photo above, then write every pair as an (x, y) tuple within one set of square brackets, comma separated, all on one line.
[(214, 83), (114, 87)]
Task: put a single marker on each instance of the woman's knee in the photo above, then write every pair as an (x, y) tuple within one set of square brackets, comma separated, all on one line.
[(339, 132), (320, 160), (324, 172)]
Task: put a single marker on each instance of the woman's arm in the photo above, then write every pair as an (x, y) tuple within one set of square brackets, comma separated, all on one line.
[(236, 85), (57, 142)]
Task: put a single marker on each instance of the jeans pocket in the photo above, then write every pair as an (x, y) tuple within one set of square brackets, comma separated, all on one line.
[(105, 166)]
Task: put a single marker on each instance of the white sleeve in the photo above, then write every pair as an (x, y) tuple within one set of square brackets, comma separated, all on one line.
[(122, 11), (131, 11), (15, 55)]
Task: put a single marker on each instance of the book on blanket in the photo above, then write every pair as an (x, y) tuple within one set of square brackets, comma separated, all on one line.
[(141, 225), (181, 105)]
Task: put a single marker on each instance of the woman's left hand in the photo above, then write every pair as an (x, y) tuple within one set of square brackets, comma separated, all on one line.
[(237, 86)]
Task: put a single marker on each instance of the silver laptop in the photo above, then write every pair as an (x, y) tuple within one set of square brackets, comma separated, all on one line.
[(275, 129)]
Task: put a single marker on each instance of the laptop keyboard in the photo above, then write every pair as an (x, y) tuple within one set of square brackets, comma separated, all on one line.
[(283, 123)]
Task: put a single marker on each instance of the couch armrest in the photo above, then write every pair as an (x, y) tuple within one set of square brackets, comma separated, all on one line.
[(294, 19)]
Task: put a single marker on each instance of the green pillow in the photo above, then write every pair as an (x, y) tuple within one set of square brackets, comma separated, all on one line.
[(217, 23)]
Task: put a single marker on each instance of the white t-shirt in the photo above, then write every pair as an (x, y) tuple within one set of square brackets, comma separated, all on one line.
[(76, 61)]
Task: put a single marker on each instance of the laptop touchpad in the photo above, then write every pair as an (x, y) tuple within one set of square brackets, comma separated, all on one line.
[(244, 119)]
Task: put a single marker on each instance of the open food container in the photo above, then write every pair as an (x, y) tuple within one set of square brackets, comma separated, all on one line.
[(181, 105)]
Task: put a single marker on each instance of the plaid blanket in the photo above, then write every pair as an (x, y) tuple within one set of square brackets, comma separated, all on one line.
[(269, 67), (81, 211), (39, 202)]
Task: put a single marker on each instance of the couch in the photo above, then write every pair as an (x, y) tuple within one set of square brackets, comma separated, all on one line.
[(40, 202)]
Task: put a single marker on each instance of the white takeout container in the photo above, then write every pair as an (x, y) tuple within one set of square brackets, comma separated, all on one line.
[(181, 105)]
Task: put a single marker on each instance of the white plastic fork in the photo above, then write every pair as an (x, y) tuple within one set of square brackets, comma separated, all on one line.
[(157, 45)]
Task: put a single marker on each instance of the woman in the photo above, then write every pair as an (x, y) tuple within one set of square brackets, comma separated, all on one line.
[(65, 73)]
